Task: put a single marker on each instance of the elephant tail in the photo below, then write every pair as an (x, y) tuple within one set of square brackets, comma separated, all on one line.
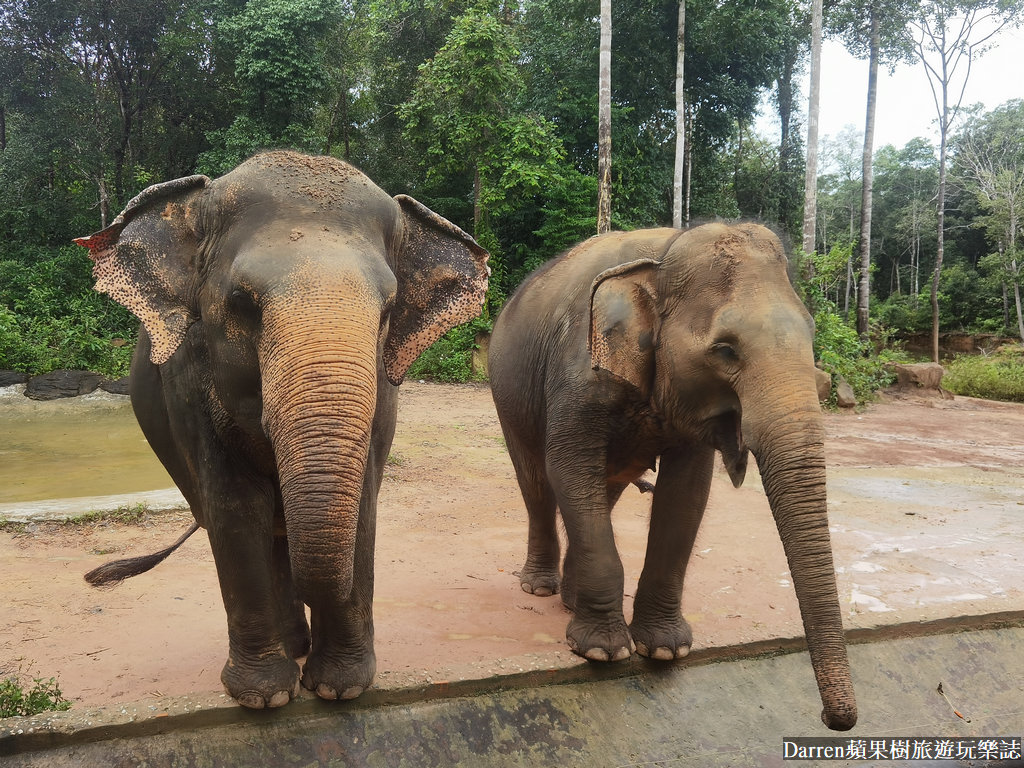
[(113, 573)]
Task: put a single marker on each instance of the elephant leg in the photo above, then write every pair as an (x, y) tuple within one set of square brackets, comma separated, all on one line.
[(593, 572), (291, 610), (539, 575), (260, 670), (236, 506), (680, 496)]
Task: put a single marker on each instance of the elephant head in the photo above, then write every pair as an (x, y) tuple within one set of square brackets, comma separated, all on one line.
[(712, 333), (294, 281)]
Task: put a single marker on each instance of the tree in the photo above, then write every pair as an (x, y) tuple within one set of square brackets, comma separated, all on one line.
[(813, 99), (905, 183), (604, 122), (990, 155), (949, 34), (467, 121), (872, 28), (839, 200), (680, 155)]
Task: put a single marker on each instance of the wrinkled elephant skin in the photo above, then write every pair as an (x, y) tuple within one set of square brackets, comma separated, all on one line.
[(658, 348), (281, 305)]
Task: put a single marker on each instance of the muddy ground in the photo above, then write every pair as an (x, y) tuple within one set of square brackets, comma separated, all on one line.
[(926, 509)]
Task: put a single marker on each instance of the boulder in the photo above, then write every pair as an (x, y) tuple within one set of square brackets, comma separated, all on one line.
[(845, 398), (10, 378), (824, 381), (919, 376), (62, 383), (115, 387)]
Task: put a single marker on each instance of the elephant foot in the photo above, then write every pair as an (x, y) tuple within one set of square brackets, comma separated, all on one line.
[(264, 683), (542, 582), (339, 678), (600, 640), (663, 640)]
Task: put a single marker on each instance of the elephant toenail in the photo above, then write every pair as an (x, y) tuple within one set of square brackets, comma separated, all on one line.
[(543, 592), (251, 700), (663, 654), (622, 654), (279, 699), (682, 651), (351, 693), (596, 654), (527, 588), (324, 691)]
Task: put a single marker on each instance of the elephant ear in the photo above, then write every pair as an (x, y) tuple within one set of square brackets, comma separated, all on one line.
[(624, 322), (442, 279), (145, 260)]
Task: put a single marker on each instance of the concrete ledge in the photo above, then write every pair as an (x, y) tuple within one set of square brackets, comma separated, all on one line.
[(63, 509), (734, 675)]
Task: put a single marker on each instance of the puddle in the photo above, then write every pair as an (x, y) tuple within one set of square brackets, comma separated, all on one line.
[(84, 446)]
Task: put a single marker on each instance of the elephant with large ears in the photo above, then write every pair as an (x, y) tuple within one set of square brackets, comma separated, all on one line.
[(281, 305), (661, 347)]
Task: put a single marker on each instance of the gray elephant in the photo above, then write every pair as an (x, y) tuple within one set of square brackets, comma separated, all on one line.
[(663, 346), (281, 306)]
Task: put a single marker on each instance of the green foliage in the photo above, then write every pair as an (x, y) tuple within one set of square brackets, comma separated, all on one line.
[(21, 699), (50, 317), (842, 353), (994, 377), (450, 359)]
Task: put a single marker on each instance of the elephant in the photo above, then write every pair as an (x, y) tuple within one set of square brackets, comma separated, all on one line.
[(281, 306), (660, 347)]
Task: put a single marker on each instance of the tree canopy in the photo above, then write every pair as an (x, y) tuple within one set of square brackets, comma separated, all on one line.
[(486, 110)]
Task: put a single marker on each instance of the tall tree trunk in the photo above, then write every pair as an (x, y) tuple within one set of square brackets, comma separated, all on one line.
[(680, 159), (813, 100), (941, 211), (3, 128), (476, 202), (864, 284), (604, 123), (689, 160), (104, 202)]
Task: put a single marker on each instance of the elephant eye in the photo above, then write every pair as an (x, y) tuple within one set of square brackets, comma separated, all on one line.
[(726, 352)]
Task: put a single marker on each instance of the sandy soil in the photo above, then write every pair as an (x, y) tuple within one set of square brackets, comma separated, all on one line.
[(927, 513)]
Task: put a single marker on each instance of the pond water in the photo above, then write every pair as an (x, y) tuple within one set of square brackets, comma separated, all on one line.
[(83, 446)]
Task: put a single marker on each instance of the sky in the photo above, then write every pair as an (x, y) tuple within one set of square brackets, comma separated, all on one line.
[(906, 108)]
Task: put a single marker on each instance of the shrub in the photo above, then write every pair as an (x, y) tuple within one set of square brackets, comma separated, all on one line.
[(450, 358), (993, 377), (841, 352), (19, 700)]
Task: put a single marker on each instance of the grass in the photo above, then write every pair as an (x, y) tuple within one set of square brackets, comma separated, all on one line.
[(123, 515), (22, 699), (999, 376)]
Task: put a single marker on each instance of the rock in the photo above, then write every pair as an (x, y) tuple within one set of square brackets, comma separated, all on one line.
[(115, 387), (478, 363), (824, 382), (10, 378), (844, 393), (62, 383), (919, 375)]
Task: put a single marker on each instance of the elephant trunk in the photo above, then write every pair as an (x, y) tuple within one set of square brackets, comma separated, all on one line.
[(319, 393), (787, 439)]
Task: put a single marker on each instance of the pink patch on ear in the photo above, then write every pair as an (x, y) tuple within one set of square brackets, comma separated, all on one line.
[(100, 242)]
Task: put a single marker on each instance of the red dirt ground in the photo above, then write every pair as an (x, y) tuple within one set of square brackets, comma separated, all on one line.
[(926, 507)]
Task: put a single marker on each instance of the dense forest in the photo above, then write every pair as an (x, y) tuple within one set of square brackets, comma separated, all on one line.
[(487, 112)]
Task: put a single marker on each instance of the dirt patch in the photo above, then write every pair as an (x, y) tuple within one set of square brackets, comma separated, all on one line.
[(927, 513)]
